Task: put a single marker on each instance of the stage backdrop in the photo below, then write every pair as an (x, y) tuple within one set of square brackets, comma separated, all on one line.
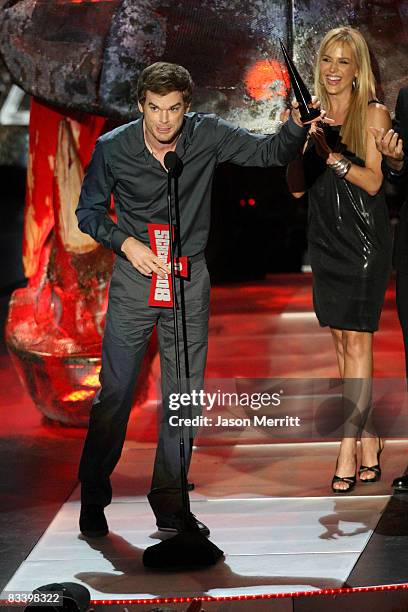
[(80, 61), (86, 55)]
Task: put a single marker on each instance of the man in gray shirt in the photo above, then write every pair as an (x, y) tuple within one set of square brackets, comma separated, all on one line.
[(395, 170), (129, 163)]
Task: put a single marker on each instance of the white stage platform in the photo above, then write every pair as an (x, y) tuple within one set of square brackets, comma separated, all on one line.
[(274, 541)]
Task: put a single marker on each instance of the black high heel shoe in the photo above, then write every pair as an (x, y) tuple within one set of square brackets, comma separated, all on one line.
[(349, 480), (374, 468)]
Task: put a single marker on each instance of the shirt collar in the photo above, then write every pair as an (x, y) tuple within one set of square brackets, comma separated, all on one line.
[(139, 142), (183, 142)]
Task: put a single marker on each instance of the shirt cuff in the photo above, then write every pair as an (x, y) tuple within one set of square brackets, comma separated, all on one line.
[(389, 172), (118, 238), (399, 172), (295, 128)]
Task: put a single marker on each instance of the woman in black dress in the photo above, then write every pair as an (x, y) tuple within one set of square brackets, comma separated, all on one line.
[(349, 233)]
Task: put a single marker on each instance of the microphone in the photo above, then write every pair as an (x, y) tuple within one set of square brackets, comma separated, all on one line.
[(173, 164)]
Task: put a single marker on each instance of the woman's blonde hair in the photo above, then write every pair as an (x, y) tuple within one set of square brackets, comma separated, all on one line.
[(353, 131)]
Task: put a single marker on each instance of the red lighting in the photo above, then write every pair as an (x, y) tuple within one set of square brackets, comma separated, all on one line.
[(79, 396), (267, 79), (251, 202), (344, 591), (92, 380), (242, 202)]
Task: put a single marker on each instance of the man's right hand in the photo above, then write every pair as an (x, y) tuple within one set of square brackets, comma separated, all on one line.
[(143, 259), (390, 145)]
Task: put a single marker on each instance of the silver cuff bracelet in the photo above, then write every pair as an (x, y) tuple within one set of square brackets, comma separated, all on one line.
[(341, 167)]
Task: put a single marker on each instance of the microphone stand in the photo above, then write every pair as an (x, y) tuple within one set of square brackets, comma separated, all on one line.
[(183, 471), (189, 548)]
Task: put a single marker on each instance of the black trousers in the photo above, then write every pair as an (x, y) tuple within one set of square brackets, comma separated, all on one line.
[(129, 325), (402, 307), (400, 260)]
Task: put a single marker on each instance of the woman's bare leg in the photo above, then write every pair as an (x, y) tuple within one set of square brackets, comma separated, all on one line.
[(337, 336), (369, 439), (358, 365)]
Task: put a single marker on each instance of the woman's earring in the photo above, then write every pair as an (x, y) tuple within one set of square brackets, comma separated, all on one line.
[(354, 83)]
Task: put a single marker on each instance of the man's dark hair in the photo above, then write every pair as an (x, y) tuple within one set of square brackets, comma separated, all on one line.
[(163, 78)]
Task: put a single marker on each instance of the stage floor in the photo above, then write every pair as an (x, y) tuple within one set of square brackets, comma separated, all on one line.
[(272, 543), (268, 504)]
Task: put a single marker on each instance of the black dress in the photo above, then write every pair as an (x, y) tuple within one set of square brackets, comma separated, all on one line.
[(349, 244)]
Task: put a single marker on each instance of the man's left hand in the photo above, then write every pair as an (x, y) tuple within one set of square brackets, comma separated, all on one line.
[(390, 145)]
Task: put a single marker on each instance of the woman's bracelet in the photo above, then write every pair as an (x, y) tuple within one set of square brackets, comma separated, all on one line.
[(340, 167)]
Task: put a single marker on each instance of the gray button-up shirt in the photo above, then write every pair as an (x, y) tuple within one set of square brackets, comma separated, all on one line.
[(122, 165)]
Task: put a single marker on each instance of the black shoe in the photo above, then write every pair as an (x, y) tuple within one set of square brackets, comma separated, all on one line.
[(174, 524), (400, 483), (372, 468), (92, 521), (350, 481)]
